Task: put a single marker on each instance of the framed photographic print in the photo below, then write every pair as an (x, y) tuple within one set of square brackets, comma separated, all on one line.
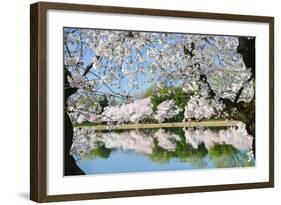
[(134, 102)]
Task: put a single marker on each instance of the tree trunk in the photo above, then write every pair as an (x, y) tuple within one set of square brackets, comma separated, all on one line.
[(70, 166), (247, 49)]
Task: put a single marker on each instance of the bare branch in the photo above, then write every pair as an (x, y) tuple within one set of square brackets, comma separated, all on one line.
[(67, 49), (105, 84), (87, 69)]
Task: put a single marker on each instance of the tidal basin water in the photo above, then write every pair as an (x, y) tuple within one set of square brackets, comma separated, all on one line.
[(147, 150)]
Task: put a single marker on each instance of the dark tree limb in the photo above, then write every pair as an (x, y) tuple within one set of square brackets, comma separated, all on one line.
[(239, 93), (87, 69)]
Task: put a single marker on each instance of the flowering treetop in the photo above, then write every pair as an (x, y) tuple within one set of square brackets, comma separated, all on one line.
[(119, 65)]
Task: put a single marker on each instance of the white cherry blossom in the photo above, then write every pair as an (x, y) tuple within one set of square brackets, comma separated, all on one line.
[(166, 110)]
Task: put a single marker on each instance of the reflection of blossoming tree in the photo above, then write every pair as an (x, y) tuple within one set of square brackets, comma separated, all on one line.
[(161, 145), (105, 67)]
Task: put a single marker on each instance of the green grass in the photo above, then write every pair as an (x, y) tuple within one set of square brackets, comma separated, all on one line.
[(207, 123)]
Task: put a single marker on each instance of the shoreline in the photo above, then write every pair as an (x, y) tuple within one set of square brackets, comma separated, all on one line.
[(215, 123)]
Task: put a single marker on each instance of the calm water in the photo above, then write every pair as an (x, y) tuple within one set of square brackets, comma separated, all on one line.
[(146, 150)]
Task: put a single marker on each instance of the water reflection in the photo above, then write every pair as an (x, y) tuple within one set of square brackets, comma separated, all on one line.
[(161, 149)]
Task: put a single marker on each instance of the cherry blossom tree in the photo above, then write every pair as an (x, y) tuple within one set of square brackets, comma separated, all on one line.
[(166, 110), (114, 63), (134, 112)]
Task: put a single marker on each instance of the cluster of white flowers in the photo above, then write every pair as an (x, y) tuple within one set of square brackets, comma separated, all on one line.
[(166, 110), (133, 112), (85, 109), (82, 107), (202, 108), (71, 61), (76, 80)]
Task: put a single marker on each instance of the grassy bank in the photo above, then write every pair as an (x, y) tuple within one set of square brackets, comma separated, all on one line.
[(208, 123)]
